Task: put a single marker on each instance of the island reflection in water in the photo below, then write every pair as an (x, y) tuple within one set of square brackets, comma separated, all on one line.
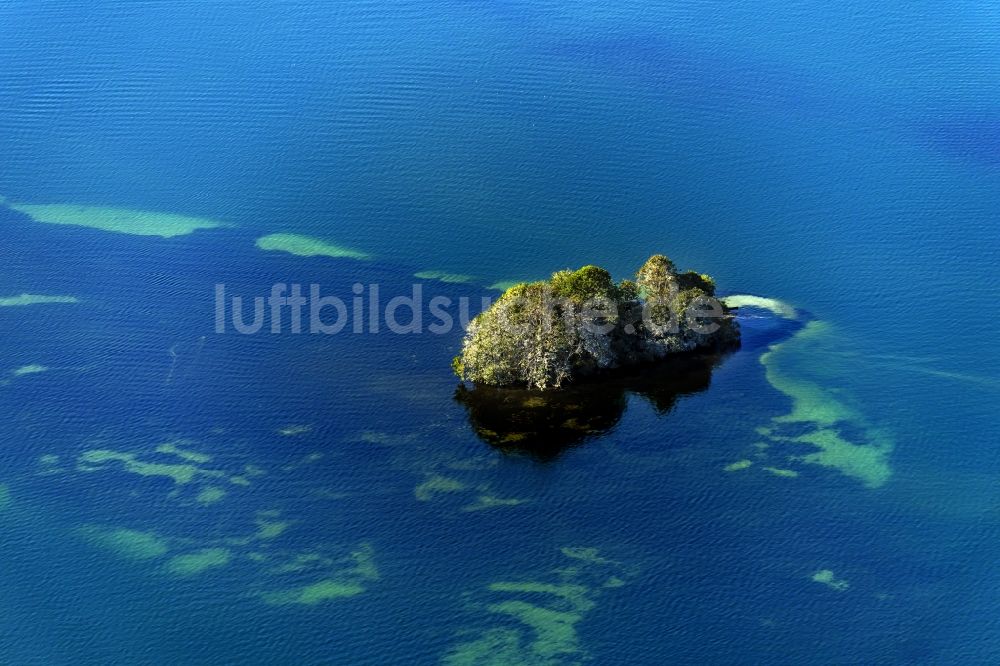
[(542, 424)]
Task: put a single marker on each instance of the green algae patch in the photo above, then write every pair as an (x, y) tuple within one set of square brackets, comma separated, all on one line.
[(737, 466), (496, 647), (555, 631), (372, 437), (364, 563), (188, 471), (826, 577), (31, 369), (172, 448), (293, 430), (349, 581), (547, 613), (307, 246), (210, 495), (484, 502), (97, 459), (868, 462), (799, 367), (576, 596), (773, 305), (302, 562), (777, 471), (49, 465), (441, 276), (585, 554), (125, 543), (5, 497), (435, 485), (310, 595), (811, 402), (269, 526), (192, 564), (117, 220), (34, 299), (385, 438)]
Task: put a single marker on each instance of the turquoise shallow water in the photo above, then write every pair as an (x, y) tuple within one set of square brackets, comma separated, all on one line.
[(175, 495)]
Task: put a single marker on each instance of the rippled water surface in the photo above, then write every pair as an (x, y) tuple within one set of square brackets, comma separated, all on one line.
[(826, 494)]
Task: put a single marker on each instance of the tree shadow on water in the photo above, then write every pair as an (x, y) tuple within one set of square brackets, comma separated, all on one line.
[(543, 424)]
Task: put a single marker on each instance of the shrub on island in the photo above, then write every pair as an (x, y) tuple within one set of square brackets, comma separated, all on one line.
[(545, 334)]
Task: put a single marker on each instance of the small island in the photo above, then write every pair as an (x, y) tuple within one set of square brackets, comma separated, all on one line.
[(578, 324)]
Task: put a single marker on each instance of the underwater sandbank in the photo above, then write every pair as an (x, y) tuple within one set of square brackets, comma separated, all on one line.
[(34, 299), (117, 220), (307, 246), (441, 276)]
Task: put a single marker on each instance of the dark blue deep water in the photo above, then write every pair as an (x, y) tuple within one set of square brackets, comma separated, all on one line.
[(828, 494)]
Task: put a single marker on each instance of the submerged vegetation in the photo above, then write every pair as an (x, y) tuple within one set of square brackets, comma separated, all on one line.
[(545, 334), (825, 425), (537, 621), (822, 415)]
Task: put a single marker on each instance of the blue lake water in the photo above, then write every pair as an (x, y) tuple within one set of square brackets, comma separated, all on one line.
[(828, 494)]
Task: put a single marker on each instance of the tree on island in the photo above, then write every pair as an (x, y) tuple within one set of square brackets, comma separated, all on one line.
[(545, 334)]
